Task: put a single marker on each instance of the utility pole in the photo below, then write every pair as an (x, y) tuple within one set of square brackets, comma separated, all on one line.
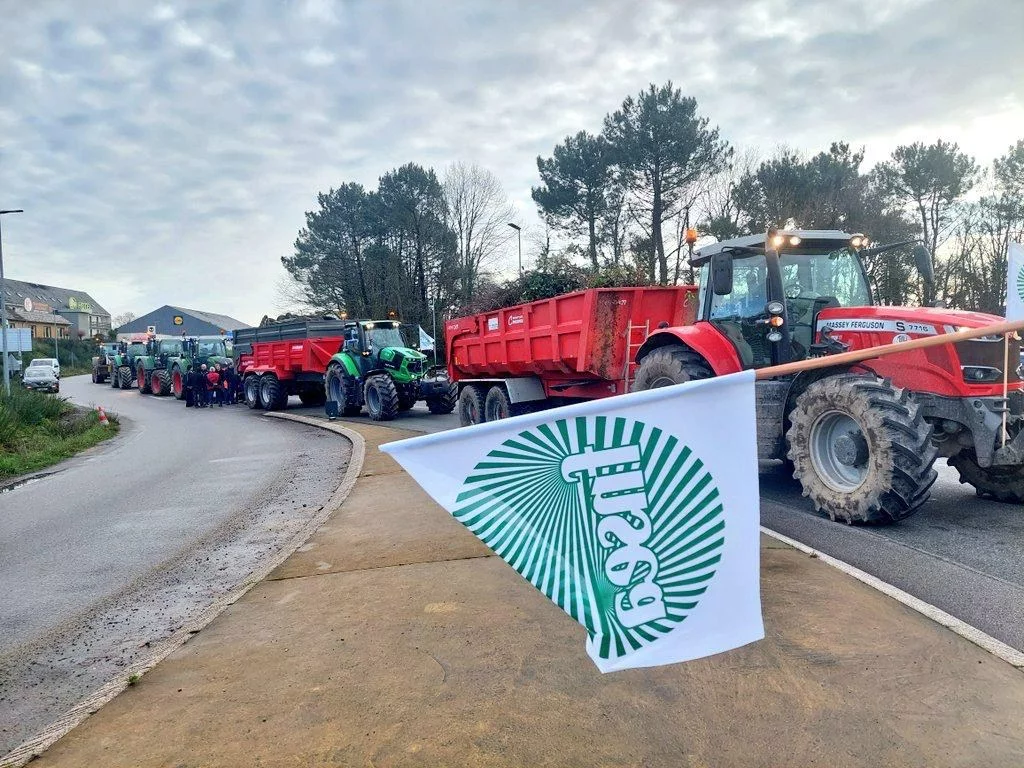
[(3, 310), (519, 236)]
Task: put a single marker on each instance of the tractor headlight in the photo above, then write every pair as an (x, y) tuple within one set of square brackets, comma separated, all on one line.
[(775, 308), (980, 374)]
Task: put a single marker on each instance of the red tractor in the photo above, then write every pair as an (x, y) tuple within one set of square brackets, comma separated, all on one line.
[(861, 439)]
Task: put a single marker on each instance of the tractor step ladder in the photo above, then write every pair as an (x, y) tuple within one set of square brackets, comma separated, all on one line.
[(632, 347)]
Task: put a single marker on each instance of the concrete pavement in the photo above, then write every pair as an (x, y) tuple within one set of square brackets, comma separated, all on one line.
[(394, 638)]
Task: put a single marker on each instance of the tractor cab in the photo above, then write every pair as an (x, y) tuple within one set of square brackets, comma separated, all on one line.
[(766, 293), (381, 345)]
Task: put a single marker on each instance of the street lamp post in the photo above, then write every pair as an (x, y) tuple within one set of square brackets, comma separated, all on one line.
[(3, 310), (519, 237)]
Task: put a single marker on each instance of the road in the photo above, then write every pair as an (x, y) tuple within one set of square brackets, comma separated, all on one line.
[(120, 546), (959, 553)]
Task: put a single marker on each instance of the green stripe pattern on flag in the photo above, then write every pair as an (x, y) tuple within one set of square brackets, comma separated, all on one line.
[(628, 513)]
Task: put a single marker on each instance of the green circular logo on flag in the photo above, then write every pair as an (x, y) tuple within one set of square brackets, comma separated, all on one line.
[(1020, 283), (616, 522)]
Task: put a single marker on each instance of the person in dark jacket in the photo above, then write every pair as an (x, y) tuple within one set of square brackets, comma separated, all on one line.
[(202, 395), (214, 390), (190, 387), (228, 384)]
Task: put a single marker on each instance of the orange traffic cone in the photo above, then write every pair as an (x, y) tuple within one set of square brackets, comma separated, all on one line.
[(103, 416)]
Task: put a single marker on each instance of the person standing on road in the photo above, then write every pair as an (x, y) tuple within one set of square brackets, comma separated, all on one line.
[(202, 397), (227, 384), (190, 386), (214, 379)]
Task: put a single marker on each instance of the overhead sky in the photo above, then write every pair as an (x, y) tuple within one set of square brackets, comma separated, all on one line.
[(165, 154)]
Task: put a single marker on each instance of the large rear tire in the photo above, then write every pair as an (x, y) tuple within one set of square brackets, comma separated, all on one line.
[(471, 405), (143, 380), (1004, 483), (160, 382), (251, 389), (381, 397), (343, 390), (443, 404), (861, 449), (670, 365), (497, 405), (273, 396)]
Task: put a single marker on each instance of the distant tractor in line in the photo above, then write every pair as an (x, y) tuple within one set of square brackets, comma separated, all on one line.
[(122, 362), (101, 362), (152, 369), (196, 351)]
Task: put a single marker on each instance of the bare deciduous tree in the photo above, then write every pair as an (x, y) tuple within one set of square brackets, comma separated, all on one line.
[(478, 213)]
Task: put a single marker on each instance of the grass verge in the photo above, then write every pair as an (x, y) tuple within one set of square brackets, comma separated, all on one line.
[(38, 430)]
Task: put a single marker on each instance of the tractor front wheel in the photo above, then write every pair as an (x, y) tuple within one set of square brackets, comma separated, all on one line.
[(861, 449), (143, 381), (160, 382), (343, 390), (445, 403), (251, 388), (471, 405), (381, 397), (177, 384), (1002, 483), (670, 365)]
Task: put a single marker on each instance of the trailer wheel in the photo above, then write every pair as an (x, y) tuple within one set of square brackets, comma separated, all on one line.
[(497, 405), (442, 404), (125, 373), (1003, 483), (381, 397), (471, 405), (670, 365), (251, 389), (861, 449), (273, 396), (343, 390)]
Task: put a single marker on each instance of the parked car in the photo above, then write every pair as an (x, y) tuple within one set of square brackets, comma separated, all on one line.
[(41, 378), (46, 362)]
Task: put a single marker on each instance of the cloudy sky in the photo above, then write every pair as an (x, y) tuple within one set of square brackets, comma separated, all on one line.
[(165, 154)]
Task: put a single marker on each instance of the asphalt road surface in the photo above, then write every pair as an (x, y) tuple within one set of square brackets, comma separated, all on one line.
[(959, 553), (120, 546)]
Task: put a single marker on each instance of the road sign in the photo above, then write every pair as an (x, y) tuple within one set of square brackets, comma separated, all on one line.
[(19, 340)]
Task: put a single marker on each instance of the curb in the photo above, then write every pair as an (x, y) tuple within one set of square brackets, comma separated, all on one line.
[(998, 648), (35, 746)]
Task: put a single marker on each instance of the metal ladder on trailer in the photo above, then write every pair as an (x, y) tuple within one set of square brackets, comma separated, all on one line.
[(632, 347)]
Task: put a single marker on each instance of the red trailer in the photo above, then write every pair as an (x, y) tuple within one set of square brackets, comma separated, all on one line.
[(579, 346), (286, 359)]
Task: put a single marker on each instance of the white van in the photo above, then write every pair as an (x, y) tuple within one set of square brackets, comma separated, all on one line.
[(46, 362)]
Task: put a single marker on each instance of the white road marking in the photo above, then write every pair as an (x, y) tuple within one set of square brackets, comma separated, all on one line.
[(1010, 655)]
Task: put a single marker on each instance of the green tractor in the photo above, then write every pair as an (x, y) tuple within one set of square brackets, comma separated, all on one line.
[(152, 369), (196, 351), (122, 363), (101, 362), (378, 369)]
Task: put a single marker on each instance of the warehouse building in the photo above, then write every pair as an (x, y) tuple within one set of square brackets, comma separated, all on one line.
[(169, 320), (54, 313)]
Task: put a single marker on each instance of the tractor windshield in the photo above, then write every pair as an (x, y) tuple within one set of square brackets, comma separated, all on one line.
[(214, 348), (384, 336), (833, 275)]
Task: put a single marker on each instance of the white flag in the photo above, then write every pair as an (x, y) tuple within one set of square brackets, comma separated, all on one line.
[(637, 515), (1015, 282), (426, 342)]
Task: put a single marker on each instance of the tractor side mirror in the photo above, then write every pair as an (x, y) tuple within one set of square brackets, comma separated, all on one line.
[(721, 274), (923, 260)]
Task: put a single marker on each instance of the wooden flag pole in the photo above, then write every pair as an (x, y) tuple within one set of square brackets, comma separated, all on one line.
[(859, 355), (1006, 379)]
